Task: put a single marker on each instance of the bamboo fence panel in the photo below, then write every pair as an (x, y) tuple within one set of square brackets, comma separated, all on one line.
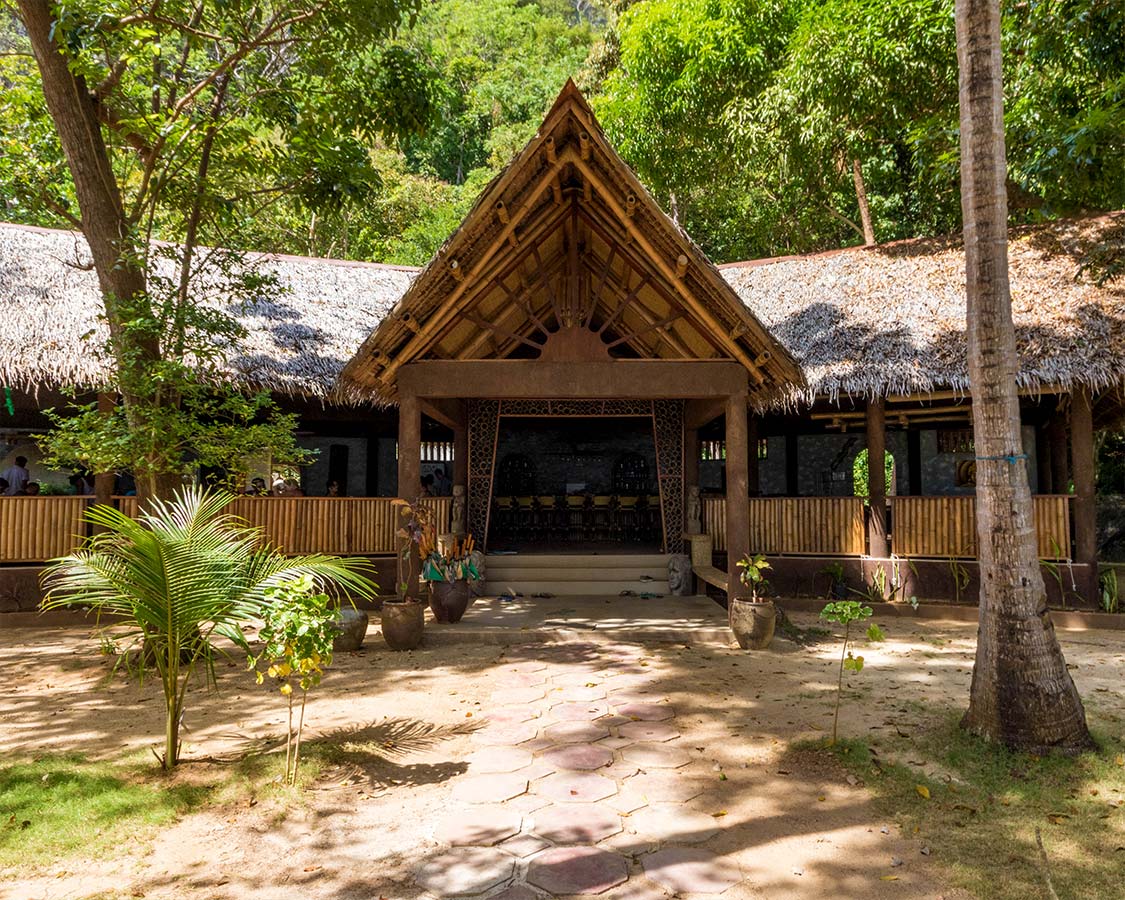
[(946, 526), (826, 526), (35, 529)]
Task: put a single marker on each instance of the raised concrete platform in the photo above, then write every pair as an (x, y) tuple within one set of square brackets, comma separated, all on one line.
[(687, 620)]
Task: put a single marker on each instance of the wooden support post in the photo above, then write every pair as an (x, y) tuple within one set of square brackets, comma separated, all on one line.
[(1042, 459), (1085, 511), (914, 462), (461, 455), (753, 480), (409, 482), (691, 457), (1060, 471), (877, 479), (738, 503)]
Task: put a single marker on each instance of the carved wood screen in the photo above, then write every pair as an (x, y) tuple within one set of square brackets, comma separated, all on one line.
[(668, 434)]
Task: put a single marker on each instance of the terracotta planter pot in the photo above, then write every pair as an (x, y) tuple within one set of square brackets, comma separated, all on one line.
[(403, 622), (752, 623), (449, 600)]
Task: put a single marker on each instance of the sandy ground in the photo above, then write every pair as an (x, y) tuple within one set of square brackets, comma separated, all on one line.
[(791, 822)]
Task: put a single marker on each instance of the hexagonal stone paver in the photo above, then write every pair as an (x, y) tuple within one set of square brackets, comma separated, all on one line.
[(585, 823), (577, 870), (579, 694), (493, 760), (665, 787), (635, 695), (518, 712), (520, 679), (655, 756), (674, 822), (524, 845), (578, 712), (489, 788), (576, 787), (575, 679), (466, 871), (645, 712), (517, 695), (516, 892), (579, 756), (575, 732), (648, 731), (691, 870), (505, 733), (481, 827)]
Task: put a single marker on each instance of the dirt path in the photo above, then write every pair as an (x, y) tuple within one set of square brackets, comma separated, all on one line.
[(560, 769)]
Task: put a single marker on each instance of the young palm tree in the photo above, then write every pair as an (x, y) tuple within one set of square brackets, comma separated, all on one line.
[(183, 574), (1022, 694)]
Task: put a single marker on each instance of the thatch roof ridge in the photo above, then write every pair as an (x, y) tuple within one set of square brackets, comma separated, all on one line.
[(296, 342), (889, 319)]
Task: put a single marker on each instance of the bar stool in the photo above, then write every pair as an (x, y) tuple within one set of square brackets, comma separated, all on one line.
[(525, 515), (546, 509), (505, 511), (625, 518), (575, 515), (601, 517)]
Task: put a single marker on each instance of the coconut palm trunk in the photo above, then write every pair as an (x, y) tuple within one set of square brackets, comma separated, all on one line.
[(1022, 694)]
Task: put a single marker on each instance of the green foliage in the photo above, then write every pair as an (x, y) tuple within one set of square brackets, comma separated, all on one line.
[(183, 575), (753, 574), (861, 479), (1107, 590), (298, 627), (838, 586), (847, 613)]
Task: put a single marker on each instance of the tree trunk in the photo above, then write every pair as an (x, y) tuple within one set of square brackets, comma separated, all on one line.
[(105, 226), (861, 199), (1022, 694)]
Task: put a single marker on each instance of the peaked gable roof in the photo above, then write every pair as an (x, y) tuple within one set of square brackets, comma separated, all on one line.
[(566, 256)]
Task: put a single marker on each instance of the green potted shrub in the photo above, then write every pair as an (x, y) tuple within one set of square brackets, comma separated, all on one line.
[(752, 618), (402, 617)]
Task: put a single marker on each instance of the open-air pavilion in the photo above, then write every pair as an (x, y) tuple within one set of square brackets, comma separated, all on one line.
[(593, 384)]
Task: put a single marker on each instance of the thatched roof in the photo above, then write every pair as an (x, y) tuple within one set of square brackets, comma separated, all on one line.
[(566, 241), (890, 319), (297, 342)]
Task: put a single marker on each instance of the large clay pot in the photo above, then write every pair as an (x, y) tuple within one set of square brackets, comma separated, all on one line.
[(449, 600), (403, 622), (351, 628), (752, 623)]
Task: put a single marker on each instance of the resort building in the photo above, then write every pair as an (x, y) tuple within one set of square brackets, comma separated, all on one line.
[(589, 382)]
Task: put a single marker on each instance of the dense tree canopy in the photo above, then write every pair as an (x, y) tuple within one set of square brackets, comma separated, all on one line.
[(748, 119)]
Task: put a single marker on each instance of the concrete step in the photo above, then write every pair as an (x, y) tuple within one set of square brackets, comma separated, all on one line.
[(575, 588), (579, 573), (570, 560)]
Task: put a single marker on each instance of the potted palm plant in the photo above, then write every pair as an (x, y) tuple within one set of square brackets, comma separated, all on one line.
[(448, 570), (752, 618)]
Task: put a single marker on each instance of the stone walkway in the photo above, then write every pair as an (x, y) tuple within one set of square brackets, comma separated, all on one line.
[(581, 785)]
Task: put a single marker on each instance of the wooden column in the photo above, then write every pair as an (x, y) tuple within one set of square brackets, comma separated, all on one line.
[(1060, 473), (877, 479), (409, 484), (738, 504), (914, 461), (1042, 459), (1085, 510), (691, 457), (103, 481), (753, 481), (409, 447), (461, 455)]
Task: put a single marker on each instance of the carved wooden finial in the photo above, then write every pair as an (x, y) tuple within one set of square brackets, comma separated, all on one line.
[(630, 205), (762, 358)]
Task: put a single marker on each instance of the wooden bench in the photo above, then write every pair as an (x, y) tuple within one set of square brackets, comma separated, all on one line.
[(702, 561)]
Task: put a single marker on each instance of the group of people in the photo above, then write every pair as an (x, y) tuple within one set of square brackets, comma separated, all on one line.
[(16, 480), (287, 487)]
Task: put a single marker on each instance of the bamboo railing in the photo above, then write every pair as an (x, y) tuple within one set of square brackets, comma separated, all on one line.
[(819, 526), (947, 527), (941, 527), (35, 529)]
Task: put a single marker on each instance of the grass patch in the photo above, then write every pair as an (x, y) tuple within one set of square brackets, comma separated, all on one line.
[(980, 823), (54, 807)]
